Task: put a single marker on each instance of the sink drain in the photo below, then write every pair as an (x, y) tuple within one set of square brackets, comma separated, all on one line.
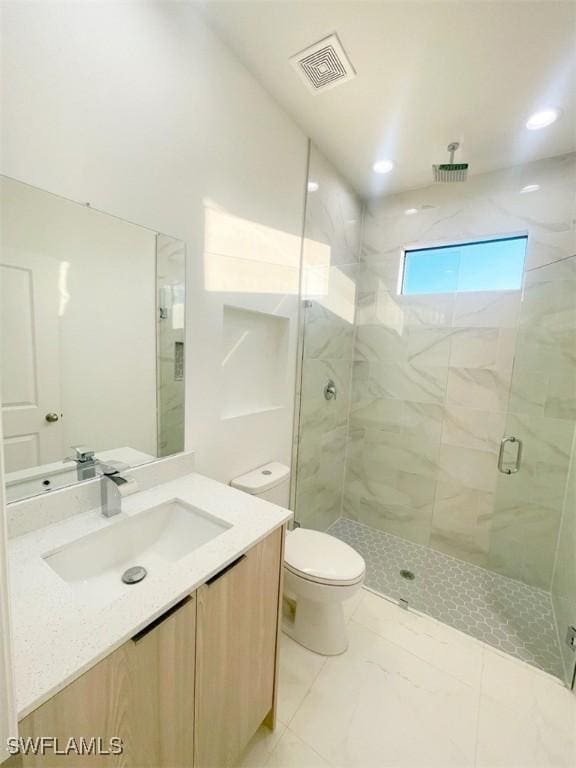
[(134, 575), (406, 574)]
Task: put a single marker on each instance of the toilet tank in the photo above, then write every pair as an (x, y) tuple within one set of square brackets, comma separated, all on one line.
[(270, 482)]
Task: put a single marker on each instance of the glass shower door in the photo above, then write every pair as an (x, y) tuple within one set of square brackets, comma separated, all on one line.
[(564, 578), (533, 527)]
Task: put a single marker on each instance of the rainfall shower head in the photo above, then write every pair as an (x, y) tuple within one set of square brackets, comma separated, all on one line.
[(448, 172)]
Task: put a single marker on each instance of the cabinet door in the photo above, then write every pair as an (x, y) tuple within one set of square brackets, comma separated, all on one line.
[(142, 693), (97, 704), (237, 618), (162, 662)]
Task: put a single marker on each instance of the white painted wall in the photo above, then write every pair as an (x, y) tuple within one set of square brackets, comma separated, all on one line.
[(141, 110)]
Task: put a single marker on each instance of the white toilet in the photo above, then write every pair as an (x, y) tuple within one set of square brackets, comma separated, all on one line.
[(320, 571)]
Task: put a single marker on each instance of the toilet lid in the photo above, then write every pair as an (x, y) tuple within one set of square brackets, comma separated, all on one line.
[(320, 557)]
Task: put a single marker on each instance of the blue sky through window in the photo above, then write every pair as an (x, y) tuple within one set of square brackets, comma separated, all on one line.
[(493, 265)]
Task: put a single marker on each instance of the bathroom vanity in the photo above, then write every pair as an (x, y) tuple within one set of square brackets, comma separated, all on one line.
[(151, 619), (182, 667)]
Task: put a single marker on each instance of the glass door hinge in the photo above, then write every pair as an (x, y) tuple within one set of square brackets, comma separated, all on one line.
[(571, 638)]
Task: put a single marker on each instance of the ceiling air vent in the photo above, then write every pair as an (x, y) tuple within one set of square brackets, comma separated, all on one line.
[(324, 65)]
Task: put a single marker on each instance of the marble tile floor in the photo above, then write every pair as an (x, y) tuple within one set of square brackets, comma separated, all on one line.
[(411, 692), (504, 613)]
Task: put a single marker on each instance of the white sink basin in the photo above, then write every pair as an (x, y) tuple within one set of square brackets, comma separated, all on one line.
[(93, 565)]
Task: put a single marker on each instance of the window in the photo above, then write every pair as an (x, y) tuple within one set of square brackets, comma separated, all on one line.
[(492, 265)]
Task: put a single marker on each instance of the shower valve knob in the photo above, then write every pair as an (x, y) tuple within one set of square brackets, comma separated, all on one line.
[(330, 391)]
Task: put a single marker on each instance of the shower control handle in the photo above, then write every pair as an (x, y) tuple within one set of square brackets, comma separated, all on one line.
[(330, 392), (516, 467)]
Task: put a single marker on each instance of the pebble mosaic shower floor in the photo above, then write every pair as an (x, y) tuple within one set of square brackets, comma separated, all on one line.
[(507, 614)]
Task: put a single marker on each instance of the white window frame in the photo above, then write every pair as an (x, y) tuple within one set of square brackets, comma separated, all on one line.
[(423, 245)]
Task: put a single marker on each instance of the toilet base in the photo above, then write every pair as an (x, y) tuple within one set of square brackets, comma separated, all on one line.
[(320, 627), (313, 613)]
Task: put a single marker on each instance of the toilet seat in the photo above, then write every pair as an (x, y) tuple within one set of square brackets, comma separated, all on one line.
[(321, 558)]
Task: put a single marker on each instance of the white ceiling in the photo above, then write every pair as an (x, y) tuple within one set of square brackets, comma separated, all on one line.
[(428, 73)]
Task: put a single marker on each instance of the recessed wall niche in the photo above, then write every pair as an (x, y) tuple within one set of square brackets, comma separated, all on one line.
[(254, 358)]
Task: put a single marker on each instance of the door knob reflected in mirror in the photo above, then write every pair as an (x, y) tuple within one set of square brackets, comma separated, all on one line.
[(51, 417)]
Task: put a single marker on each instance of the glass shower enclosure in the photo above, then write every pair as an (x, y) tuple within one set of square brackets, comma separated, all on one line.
[(435, 432)]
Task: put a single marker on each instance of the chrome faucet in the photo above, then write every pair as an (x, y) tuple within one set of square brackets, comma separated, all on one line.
[(85, 462), (110, 482)]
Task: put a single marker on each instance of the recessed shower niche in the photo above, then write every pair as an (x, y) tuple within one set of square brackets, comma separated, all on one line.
[(254, 357)]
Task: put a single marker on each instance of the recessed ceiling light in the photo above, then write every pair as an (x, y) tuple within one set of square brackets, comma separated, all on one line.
[(383, 166), (529, 188), (411, 211), (542, 119), (313, 186)]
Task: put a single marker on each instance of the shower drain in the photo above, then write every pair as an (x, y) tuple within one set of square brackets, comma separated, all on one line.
[(408, 575)]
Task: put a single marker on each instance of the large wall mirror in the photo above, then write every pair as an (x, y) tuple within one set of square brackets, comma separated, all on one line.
[(92, 341)]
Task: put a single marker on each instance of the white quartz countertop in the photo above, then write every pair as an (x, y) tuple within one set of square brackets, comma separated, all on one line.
[(57, 638)]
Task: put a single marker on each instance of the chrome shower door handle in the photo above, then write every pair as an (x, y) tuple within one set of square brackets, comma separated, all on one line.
[(516, 467), (519, 454)]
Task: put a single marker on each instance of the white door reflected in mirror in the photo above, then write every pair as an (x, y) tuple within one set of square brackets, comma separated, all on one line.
[(29, 339)]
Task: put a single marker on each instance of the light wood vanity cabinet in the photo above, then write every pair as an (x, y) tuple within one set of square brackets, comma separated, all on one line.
[(190, 689)]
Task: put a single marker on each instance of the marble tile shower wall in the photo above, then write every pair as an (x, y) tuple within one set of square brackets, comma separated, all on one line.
[(330, 264), (435, 386)]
